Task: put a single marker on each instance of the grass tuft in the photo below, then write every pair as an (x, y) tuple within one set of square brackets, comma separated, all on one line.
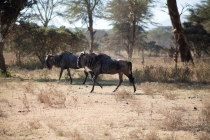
[(51, 97), (123, 95)]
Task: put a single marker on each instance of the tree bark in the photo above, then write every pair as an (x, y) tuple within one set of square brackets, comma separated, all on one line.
[(180, 39), (91, 35), (2, 60)]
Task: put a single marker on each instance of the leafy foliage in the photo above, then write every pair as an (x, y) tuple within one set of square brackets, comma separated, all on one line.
[(129, 23), (45, 10), (161, 35), (200, 14), (30, 39), (9, 12), (7, 74), (86, 11), (198, 35)]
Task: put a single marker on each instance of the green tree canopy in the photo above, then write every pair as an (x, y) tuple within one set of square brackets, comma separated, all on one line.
[(85, 11), (200, 14), (129, 18), (161, 35), (197, 35), (45, 10), (31, 39), (9, 12)]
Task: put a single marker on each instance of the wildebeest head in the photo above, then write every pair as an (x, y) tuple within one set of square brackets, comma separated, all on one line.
[(49, 61), (81, 59)]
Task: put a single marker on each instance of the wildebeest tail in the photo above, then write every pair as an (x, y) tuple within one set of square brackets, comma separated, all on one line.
[(130, 76)]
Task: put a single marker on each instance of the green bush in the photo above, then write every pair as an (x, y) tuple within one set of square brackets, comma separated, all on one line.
[(7, 74)]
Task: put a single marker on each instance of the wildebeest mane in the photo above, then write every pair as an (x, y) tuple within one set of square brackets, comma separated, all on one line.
[(96, 60)]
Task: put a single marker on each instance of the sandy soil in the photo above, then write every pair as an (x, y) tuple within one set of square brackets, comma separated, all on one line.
[(74, 113)]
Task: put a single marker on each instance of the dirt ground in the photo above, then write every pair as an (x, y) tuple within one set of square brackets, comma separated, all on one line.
[(35, 105), (31, 108)]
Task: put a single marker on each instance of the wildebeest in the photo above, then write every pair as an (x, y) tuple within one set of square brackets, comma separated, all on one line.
[(64, 60), (104, 64)]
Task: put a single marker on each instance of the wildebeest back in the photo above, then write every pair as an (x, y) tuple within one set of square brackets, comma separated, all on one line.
[(107, 65)]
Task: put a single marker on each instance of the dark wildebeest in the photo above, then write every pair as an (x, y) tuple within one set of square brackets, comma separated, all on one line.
[(104, 64), (65, 60)]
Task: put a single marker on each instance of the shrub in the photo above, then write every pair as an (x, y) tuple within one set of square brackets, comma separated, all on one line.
[(7, 74), (31, 65)]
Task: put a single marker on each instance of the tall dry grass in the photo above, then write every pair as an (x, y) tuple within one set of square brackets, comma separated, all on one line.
[(200, 73), (52, 97)]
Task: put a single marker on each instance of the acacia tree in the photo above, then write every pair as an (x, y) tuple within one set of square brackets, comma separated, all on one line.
[(46, 10), (9, 12), (86, 11), (179, 37), (31, 39), (198, 37), (129, 18), (200, 14)]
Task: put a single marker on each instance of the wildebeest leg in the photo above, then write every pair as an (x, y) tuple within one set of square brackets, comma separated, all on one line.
[(60, 74), (92, 74), (132, 81), (134, 87), (94, 81), (86, 75), (120, 81), (69, 75)]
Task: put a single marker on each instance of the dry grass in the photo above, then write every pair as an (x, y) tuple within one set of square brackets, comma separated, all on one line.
[(172, 136), (204, 136), (152, 135), (169, 95), (136, 106), (75, 134), (206, 110), (2, 114), (5, 101), (35, 124), (74, 100), (172, 120), (29, 87), (51, 97), (123, 95), (25, 102), (148, 89), (59, 110)]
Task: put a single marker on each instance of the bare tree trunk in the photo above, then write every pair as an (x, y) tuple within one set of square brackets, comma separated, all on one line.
[(142, 55), (130, 54), (180, 39), (91, 37), (90, 28), (2, 60)]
